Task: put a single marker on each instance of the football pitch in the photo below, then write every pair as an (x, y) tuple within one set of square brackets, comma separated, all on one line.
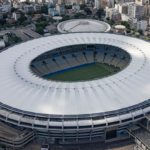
[(89, 72)]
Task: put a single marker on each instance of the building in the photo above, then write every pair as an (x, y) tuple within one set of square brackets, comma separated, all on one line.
[(61, 9), (124, 1), (76, 7), (37, 7), (83, 25), (1, 13), (2, 44), (135, 11), (51, 28), (17, 5), (37, 16), (6, 7), (104, 3), (97, 4), (123, 9), (142, 25), (140, 2), (112, 13), (28, 8), (100, 110), (53, 12), (16, 15), (146, 10)]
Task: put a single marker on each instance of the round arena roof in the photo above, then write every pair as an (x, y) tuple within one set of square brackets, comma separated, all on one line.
[(57, 18), (120, 27), (83, 25), (23, 91)]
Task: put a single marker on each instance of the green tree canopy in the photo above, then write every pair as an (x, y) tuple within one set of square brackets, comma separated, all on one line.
[(2, 22), (16, 39), (4, 16), (68, 6), (44, 9), (40, 30), (82, 6), (42, 24), (140, 31), (100, 12), (128, 30), (65, 17), (79, 15), (13, 9), (88, 11), (125, 23)]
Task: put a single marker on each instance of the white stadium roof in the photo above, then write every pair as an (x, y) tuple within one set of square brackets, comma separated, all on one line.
[(83, 25), (23, 90)]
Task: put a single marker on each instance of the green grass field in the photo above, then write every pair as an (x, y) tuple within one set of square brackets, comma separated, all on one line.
[(85, 73)]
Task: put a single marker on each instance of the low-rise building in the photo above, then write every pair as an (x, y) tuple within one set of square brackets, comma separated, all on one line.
[(1, 14), (17, 5), (6, 7), (2, 44), (37, 7), (28, 8), (76, 7), (61, 9), (37, 16), (16, 15), (51, 28), (53, 12), (142, 25)]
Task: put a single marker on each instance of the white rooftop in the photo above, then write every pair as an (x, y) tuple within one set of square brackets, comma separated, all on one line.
[(83, 25), (21, 89)]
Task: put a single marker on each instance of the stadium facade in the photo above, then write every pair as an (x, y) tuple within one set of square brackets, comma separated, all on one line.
[(92, 110), (83, 25)]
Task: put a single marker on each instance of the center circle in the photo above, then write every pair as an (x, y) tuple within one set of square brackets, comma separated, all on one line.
[(80, 62)]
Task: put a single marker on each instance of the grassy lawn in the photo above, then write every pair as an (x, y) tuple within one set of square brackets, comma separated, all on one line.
[(85, 73)]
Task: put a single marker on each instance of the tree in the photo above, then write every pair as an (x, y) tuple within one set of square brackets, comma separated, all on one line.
[(65, 17), (88, 11), (16, 39), (13, 9), (107, 18), (27, 2), (2, 22), (42, 24), (43, 18), (148, 39), (22, 19), (100, 12), (140, 31), (79, 15), (128, 30), (40, 30), (125, 23), (44, 9), (30, 13), (82, 6), (52, 6), (68, 6), (111, 22), (4, 16)]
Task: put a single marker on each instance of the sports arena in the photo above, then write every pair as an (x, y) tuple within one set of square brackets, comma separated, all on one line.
[(76, 87), (83, 25)]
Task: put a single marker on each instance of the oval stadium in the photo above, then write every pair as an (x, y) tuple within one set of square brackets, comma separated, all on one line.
[(83, 25), (77, 87)]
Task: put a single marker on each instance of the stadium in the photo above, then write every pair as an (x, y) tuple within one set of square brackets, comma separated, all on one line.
[(83, 25), (77, 87)]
